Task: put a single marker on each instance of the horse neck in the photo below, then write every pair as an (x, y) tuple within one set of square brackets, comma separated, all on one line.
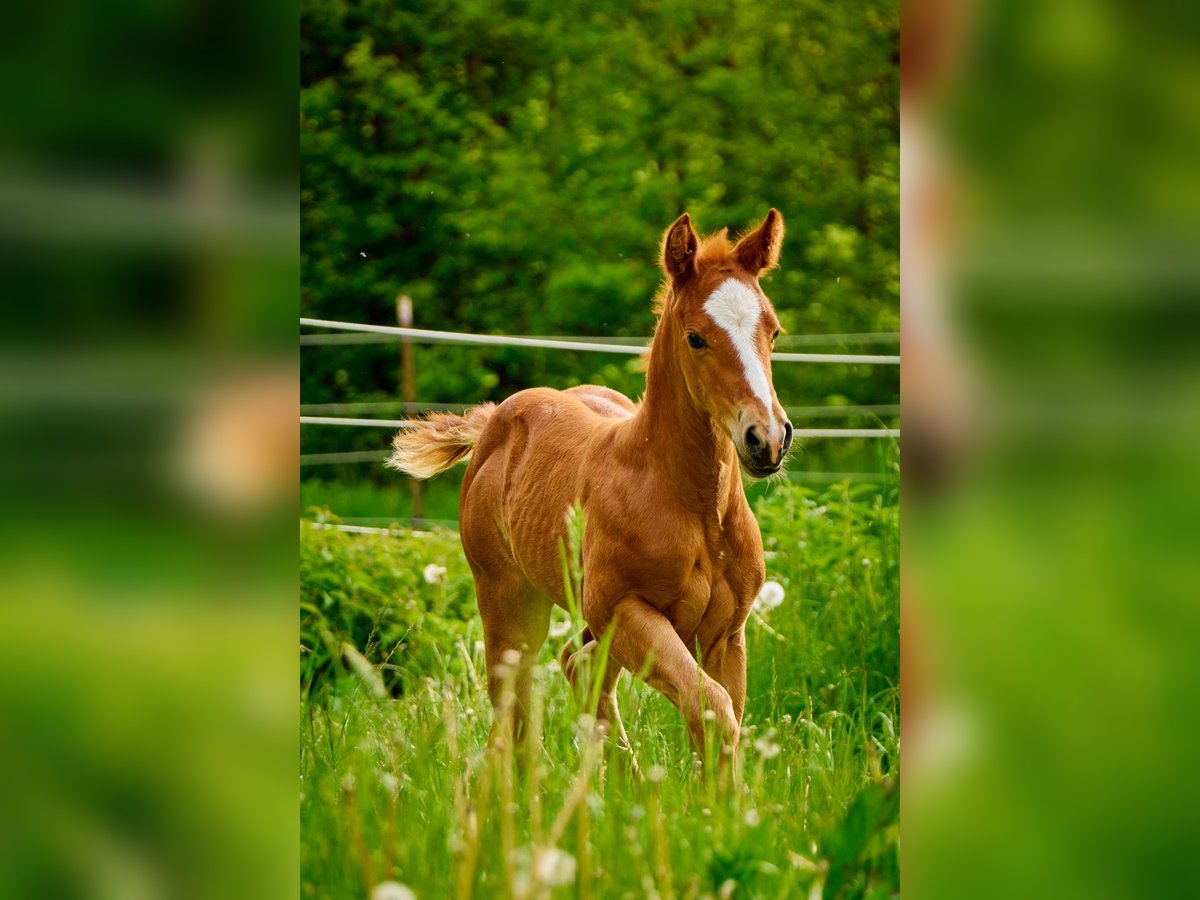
[(672, 431)]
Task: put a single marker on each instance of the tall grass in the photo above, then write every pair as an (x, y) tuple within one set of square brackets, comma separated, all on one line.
[(401, 787)]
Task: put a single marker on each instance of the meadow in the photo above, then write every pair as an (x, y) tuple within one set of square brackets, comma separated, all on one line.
[(399, 789)]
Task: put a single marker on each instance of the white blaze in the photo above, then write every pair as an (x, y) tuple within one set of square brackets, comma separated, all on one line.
[(737, 310)]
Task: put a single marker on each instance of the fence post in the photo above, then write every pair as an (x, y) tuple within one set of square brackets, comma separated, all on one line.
[(404, 317)]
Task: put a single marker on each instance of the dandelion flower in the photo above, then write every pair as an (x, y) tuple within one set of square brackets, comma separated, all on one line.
[(769, 597), (435, 574)]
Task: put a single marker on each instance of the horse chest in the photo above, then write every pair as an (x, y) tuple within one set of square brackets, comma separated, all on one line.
[(714, 599)]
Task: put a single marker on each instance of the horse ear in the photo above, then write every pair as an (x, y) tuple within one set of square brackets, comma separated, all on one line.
[(759, 250), (679, 247)]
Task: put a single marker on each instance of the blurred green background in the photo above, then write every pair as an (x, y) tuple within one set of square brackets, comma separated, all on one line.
[(1051, 573), (512, 168)]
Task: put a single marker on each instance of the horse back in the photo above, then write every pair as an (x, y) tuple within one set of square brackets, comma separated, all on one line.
[(527, 472)]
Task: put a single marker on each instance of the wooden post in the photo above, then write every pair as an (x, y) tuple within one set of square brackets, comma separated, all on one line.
[(404, 316)]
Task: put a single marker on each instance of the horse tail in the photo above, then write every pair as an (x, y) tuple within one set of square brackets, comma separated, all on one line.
[(433, 444)]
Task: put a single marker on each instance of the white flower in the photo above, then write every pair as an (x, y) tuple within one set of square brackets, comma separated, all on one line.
[(560, 628), (555, 867), (435, 574), (390, 783), (656, 774), (752, 817), (769, 597), (766, 748), (392, 890)]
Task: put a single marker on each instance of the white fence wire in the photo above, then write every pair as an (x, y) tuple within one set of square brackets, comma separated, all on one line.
[(799, 432), (356, 333), (502, 340), (786, 340)]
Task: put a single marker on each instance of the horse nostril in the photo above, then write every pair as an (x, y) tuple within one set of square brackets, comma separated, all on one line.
[(787, 435), (753, 441)]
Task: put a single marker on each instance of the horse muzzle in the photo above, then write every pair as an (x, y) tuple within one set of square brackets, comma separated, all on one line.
[(762, 453)]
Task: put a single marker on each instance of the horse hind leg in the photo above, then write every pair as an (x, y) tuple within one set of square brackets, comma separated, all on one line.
[(516, 620), (572, 663)]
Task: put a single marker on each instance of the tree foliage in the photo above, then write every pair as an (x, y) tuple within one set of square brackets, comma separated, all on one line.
[(511, 166)]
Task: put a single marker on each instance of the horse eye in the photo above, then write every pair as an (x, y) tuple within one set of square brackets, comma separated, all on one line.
[(775, 335), (695, 341)]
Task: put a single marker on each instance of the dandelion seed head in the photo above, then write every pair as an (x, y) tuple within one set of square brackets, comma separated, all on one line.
[(560, 628), (392, 890), (555, 867), (434, 574), (766, 748), (769, 597)]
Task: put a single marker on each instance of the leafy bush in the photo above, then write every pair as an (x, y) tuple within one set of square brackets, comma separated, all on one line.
[(370, 591)]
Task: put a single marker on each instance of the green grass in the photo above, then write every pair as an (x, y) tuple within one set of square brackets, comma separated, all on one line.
[(397, 783), (366, 502)]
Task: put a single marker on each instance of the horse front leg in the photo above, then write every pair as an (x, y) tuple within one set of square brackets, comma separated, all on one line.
[(729, 669), (574, 664), (645, 642)]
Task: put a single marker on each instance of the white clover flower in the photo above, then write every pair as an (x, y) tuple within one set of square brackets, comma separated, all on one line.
[(435, 574), (392, 890), (769, 597)]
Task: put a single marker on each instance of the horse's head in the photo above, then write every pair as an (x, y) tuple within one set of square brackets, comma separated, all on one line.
[(721, 327)]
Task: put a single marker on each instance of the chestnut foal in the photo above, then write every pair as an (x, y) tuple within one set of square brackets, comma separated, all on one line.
[(671, 553)]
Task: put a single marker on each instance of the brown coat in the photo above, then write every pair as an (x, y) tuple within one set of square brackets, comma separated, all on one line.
[(672, 556)]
